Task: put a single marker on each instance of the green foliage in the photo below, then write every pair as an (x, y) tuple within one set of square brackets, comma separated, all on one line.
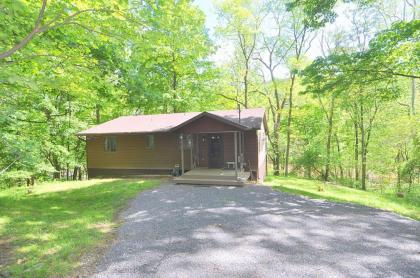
[(318, 13), (309, 132), (170, 58), (45, 233), (97, 60), (411, 168)]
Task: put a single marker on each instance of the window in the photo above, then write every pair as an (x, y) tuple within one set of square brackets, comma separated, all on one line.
[(150, 141), (110, 144), (187, 139)]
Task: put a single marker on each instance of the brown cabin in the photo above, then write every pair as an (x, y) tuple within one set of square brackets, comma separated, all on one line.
[(206, 147)]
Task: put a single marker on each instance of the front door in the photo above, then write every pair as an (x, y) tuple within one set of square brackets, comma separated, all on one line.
[(215, 150)]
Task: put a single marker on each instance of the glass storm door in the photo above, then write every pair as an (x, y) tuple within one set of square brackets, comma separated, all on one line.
[(215, 153)]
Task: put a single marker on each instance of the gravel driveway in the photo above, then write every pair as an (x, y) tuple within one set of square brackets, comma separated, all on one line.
[(198, 231)]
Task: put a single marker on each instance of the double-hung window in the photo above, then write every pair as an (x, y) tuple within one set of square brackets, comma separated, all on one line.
[(150, 142), (111, 144)]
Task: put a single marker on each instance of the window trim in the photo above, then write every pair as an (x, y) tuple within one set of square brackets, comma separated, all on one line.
[(108, 148), (153, 141)]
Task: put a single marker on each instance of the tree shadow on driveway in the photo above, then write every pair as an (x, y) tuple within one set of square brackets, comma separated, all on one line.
[(188, 231)]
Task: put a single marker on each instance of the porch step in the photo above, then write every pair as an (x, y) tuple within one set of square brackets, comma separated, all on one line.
[(209, 181), (205, 177)]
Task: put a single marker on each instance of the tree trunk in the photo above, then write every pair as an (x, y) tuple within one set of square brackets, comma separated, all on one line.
[(98, 114), (174, 82), (307, 172), (246, 87), (363, 141), (399, 179), (356, 153), (67, 171), (288, 129), (174, 85), (75, 172), (329, 135), (339, 156), (413, 96), (276, 162), (363, 165)]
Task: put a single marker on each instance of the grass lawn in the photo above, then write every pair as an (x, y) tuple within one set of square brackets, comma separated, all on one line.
[(408, 206), (45, 233)]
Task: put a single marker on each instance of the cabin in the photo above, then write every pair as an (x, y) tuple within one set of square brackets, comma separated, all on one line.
[(216, 147)]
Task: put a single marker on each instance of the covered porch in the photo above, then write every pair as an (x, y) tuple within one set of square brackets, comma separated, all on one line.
[(213, 158), (214, 150)]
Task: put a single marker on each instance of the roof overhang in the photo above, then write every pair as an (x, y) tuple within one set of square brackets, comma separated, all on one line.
[(120, 133), (212, 116)]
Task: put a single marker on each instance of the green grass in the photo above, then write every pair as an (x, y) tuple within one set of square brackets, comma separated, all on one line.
[(45, 233), (407, 206)]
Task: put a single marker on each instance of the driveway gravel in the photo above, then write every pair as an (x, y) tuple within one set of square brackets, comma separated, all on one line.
[(253, 231)]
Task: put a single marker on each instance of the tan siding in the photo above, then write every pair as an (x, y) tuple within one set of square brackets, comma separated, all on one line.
[(132, 152)]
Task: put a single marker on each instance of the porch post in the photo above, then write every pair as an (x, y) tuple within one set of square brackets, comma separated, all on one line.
[(191, 152), (235, 137), (240, 150), (181, 137)]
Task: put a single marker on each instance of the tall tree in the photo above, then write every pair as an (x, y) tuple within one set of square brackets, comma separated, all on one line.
[(272, 53), (241, 21), (171, 53), (301, 41)]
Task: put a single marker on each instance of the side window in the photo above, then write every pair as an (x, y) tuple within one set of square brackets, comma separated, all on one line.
[(187, 140), (110, 144), (150, 141)]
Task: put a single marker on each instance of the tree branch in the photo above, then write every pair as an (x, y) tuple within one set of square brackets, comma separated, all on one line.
[(231, 98), (53, 24), (28, 37), (10, 165), (385, 72)]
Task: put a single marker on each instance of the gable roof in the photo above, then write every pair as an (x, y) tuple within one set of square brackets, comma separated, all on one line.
[(250, 119)]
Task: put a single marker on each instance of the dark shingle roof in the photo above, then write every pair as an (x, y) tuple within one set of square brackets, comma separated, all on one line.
[(250, 119)]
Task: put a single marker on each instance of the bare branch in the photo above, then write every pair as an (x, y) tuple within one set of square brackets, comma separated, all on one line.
[(385, 72), (231, 98)]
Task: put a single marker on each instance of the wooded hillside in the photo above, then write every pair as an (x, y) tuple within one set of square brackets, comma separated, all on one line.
[(339, 81)]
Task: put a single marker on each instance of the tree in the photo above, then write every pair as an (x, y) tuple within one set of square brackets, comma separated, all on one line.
[(48, 83), (241, 22), (272, 53), (171, 53), (301, 41), (45, 22)]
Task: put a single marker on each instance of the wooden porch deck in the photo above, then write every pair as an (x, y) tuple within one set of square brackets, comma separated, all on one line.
[(213, 177)]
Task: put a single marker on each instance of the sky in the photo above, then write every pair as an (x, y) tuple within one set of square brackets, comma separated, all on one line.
[(225, 49), (209, 10)]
